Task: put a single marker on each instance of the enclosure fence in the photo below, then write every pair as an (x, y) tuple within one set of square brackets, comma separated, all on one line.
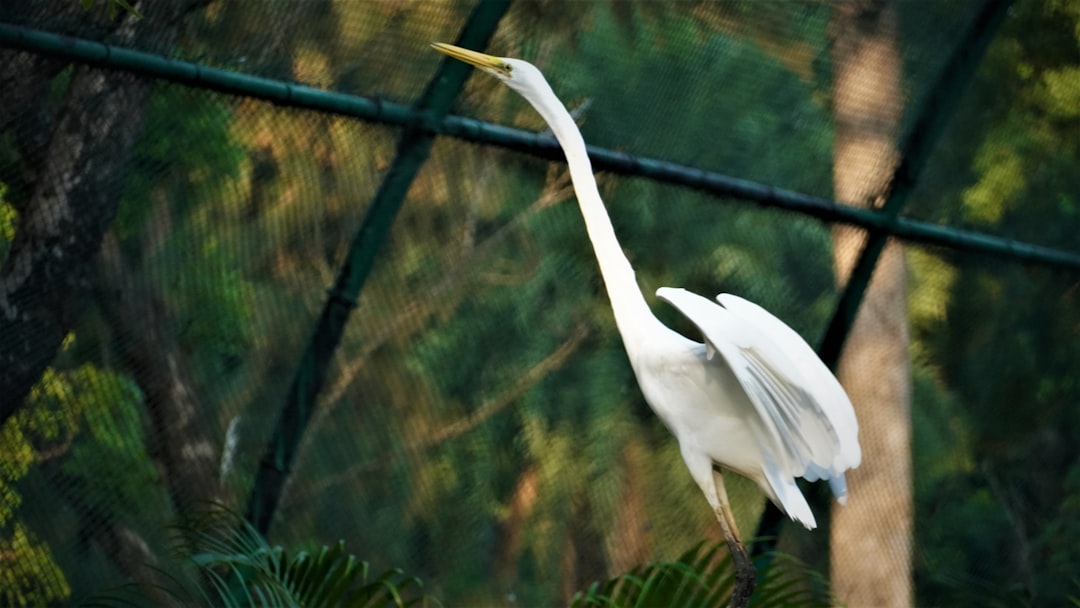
[(292, 297)]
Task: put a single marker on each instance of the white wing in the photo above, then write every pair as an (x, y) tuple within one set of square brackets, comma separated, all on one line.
[(820, 382), (800, 404)]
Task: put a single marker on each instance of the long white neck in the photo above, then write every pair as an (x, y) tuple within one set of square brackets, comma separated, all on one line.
[(632, 314)]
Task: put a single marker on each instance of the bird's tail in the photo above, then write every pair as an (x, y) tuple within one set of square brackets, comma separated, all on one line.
[(837, 481), (789, 497)]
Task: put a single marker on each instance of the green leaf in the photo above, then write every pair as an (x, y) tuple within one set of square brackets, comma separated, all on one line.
[(701, 577), (243, 570)]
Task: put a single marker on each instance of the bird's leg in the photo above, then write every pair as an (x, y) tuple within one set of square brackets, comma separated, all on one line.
[(745, 575)]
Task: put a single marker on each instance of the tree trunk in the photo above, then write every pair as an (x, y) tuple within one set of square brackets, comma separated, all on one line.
[(122, 545), (76, 176), (871, 537), (512, 530), (629, 538), (583, 561), (182, 446)]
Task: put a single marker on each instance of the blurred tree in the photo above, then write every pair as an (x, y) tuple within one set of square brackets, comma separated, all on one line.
[(93, 471), (874, 367), (999, 435), (174, 303)]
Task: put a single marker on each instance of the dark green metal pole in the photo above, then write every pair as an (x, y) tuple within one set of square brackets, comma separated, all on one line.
[(914, 149), (413, 149)]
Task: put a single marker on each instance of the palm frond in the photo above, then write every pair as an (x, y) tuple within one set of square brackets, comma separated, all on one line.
[(703, 577), (244, 570), (234, 566)]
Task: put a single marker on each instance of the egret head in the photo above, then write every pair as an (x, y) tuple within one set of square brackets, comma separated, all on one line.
[(519, 75)]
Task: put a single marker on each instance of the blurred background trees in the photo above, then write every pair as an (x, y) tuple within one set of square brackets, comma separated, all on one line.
[(481, 428)]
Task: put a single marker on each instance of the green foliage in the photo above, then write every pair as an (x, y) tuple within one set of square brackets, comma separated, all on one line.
[(243, 570), (187, 157), (701, 578), (87, 418), (225, 562), (996, 427), (214, 306), (29, 574), (8, 217), (99, 408), (727, 133), (114, 7), (1060, 539), (110, 456), (187, 165)]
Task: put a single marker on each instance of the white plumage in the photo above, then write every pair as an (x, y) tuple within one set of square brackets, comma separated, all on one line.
[(753, 398)]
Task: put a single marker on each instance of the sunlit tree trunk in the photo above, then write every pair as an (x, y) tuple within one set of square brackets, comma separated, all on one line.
[(512, 530), (871, 538)]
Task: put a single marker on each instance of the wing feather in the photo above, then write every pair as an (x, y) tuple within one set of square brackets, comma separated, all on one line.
[(802, 413), (820, 382)]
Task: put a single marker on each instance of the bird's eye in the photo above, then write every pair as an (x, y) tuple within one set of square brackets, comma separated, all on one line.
[(506, 68)]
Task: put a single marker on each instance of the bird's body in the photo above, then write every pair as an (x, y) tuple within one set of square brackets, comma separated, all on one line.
[(752, 397), (698, 419), (738, 401)]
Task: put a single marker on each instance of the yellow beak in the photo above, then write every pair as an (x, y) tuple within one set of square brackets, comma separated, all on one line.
[(480, 60)]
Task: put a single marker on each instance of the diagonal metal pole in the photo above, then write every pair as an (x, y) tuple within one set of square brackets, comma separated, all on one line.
[(413, 149), (914, 150)]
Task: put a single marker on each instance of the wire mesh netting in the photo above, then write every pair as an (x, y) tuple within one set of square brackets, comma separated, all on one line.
[(168, 251)]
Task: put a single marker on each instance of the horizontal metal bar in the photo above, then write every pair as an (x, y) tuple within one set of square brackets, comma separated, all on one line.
[(544, 146), (715, 184), (192, 74)]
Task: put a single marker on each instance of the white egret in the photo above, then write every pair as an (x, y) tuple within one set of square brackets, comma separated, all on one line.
[(754, 398)]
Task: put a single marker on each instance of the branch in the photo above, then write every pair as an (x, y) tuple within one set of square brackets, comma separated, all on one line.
[(463, 425), (492, 407), (411, 320)]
